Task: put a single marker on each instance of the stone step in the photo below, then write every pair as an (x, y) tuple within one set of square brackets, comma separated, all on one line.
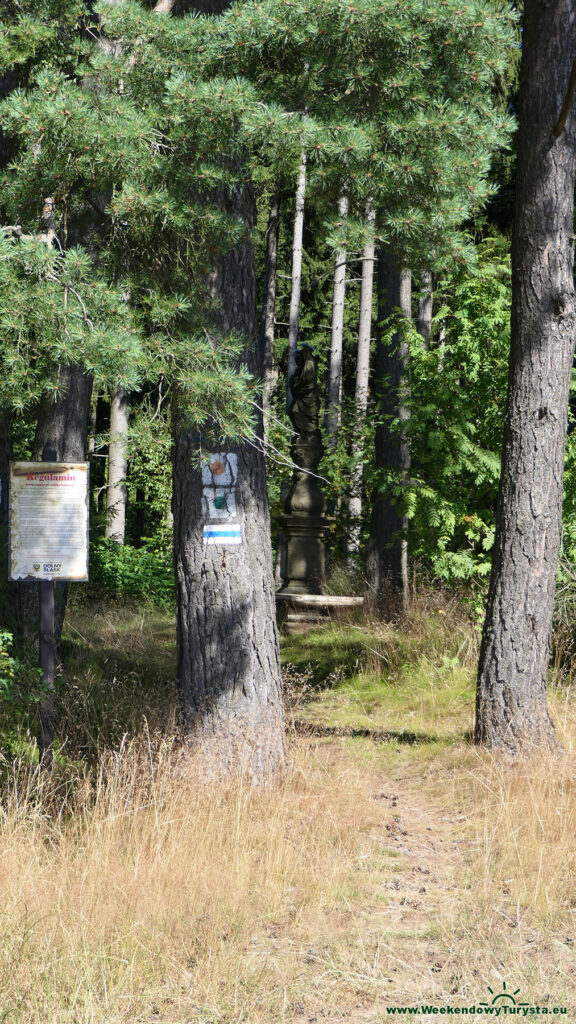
[(305, 617), (302, 612)]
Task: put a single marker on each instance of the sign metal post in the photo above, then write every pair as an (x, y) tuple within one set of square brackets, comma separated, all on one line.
[(47, 654), (47, 660)]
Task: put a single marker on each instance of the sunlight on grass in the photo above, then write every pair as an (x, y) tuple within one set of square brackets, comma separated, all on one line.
[(152, 892), (414, 681), (394, 863)]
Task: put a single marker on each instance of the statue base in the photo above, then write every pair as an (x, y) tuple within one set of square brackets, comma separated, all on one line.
[(304, 563)]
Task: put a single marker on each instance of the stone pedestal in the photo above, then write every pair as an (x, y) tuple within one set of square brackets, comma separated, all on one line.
[(304, 570), (304, 523), (300, 602)]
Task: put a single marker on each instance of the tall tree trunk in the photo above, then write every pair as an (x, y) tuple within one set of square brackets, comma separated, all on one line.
[(7, 590), (63, 423), (362, 379), (511, 709), (63, 427), (228, 662), (332, 415), (5, 459), (424, 321), (387, 556), (117, 492), (92, 422), (296, 288), (267, 320)]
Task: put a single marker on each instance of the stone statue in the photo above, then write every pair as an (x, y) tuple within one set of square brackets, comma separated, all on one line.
[(305, 409)]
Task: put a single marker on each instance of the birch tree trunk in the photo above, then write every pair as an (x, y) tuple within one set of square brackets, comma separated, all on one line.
[(424, 321), (296, 287), (511, 708), (8, 591), (117, 491), (387, 556), (362, 383), (267, 321), (332, 415)]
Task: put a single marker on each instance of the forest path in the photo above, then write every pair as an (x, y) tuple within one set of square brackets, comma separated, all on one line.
[(432, 921), (393, 942)]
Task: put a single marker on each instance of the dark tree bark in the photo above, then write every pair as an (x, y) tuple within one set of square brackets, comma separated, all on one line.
[(7, 590), (387, 556), (8, 602), (511, 710), (228, 661), (62, 425), (8, 148), (5, 459)]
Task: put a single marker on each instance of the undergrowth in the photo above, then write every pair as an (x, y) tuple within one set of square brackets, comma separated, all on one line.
[(392, 863)]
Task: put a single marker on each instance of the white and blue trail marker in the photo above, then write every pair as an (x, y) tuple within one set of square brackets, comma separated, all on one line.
[(229, 534), (219, 479)]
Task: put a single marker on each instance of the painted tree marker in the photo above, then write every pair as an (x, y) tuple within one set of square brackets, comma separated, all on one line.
[(214, 534), (219, 480)]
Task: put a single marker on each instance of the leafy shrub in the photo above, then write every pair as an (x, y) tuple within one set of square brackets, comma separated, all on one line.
[(457, 396), (21, 690), (136, 574)]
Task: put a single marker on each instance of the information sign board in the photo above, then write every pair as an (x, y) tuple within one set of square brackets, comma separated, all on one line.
[(48, 521)]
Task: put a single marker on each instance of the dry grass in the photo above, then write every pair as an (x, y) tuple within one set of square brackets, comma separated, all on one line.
[(159, 900), (373, 874), (523, 816), (355, 883)]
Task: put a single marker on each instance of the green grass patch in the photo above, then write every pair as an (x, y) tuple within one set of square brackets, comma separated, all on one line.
[(410, 681), (404, 685), (119, 671)]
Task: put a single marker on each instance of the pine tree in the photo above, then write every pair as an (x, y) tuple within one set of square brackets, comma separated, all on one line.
[(137, 218), (511, 710), (387, 556), (228, 662)]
